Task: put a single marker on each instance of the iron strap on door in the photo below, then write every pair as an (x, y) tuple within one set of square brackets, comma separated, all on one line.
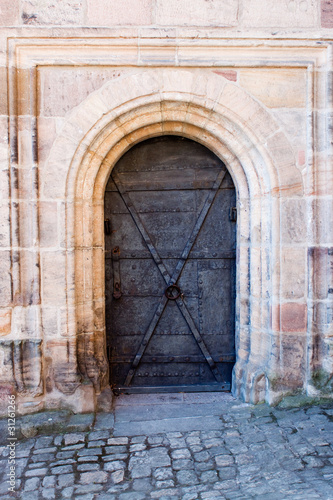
[(171, 280), (116, 273)]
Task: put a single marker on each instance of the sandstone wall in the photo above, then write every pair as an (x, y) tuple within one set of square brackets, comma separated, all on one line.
[(164, 13), (83, 79)]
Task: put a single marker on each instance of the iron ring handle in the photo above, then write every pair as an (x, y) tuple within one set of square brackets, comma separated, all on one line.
[(170, 289)]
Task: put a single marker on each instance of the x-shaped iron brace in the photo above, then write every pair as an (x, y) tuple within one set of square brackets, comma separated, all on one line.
[(171, 280)]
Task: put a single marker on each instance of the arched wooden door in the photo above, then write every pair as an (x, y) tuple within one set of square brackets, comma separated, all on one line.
[(170, 268)]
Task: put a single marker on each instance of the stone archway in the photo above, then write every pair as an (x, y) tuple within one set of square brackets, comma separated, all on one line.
[(224, 118)]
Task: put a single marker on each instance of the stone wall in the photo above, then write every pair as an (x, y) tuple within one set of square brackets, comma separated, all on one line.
[(82, 81), (164, 13)]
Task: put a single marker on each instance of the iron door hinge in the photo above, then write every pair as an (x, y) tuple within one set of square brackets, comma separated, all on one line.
[(233, 214), (107, 227), (116, 273)]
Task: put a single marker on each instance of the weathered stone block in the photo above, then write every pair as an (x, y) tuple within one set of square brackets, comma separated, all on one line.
[(26, 277), (53, 175), (5, 321), (322, 314), (327, 13), (280, 14), (47, 132), (290, 178), (127, 12), (294, 122), (53, 278), (28, 227), (3, 86), (321, 266), (25, 105), (293, 218), (3, 142), (293, 317), (322, 221), (248, 109), (24, 181), (4, 224), (26, 141), (63, 367), (260, 344), (5, 278), (324, 180), (6, 368), (276, 88), (293, 269), (67, 321), (26, 322), (4, 183), (79, 82), (196, 12), (9, 12), (291, 361), (48, 224), (52, 12)]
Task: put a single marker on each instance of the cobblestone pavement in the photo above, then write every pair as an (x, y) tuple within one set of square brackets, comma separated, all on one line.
[(170, 447)]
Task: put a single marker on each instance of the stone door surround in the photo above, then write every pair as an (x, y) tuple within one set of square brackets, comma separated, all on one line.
[(170, 88)]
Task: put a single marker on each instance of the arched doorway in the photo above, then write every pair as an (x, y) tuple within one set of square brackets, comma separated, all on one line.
[(219, 114), (170, 268)]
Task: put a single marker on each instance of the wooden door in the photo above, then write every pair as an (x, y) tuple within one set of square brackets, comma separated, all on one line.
[(170, 268)]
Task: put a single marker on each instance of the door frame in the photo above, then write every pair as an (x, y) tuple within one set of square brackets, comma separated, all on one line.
[(262, 182), (219, 383)]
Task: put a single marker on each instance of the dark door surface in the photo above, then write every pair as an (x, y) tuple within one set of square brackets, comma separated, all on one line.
[(170, 268)]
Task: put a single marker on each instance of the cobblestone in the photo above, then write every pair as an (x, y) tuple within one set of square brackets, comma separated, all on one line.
[(254, 453), (118, 441), (93, 477), (31, 484), (49, 481), (93, 444), (88, 458), (65, 480), (115, 465), (96, 435), (88, 467), (117, 476), (43, 442)]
